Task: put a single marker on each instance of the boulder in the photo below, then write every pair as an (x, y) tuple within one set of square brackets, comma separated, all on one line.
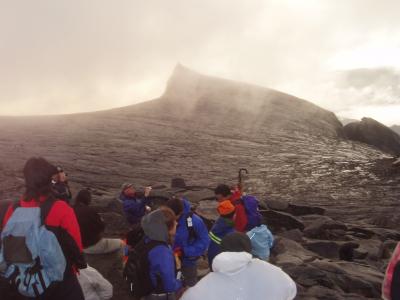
[(347, 278), (293, 234), (373, 133), (386, 249), (310, 219), (113, 206), (280, 220), (324, 293), (332, 249), (361, 233), (387, 220), (288, 253), (321, 228), (353, 277), (280, 205), (360, 254), (303, 210), (178, 183), (198, 195), (117, 225), (294, 209), (207, 209), (327, 249)]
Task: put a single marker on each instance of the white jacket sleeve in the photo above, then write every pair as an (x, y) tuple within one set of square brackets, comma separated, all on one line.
[(292, 289)]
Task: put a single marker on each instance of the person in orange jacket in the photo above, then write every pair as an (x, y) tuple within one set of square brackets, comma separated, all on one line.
[(224, 192)]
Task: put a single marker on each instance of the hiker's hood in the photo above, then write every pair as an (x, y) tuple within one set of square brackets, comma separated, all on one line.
[(186, 206), (231, 263), (154, 226)]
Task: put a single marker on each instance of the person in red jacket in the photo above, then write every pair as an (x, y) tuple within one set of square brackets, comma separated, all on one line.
[(391, 284), (224, 192), (61, 220)]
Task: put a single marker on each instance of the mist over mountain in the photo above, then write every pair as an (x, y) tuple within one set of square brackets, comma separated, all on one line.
[(238, 106), (203, 129), (396, 128)]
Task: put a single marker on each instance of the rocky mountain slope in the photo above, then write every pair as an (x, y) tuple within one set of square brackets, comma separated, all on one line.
[(204, 129)]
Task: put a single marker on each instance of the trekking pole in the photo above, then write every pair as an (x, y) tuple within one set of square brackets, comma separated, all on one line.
[(240, 178)]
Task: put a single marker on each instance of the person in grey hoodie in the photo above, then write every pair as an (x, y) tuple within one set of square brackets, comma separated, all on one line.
[(160, 226)]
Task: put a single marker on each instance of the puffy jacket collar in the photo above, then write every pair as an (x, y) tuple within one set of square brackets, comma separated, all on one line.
[(231, 263)]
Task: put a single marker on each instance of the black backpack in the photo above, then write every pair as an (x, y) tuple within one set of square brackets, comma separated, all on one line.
[(137, 270)]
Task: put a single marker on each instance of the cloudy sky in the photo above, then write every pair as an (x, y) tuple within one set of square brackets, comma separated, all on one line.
[(68, 56)]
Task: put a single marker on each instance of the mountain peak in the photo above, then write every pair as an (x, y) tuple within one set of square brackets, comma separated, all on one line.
[(182, 83), (193, 94)]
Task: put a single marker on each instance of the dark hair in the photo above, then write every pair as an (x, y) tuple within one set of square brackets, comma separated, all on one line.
[(176, 205), (169, 215), (84, 196), (223, 190), (37, 173), (236, 242)]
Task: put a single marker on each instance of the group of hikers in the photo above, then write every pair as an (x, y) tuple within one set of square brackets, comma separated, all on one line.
[(44, 239)]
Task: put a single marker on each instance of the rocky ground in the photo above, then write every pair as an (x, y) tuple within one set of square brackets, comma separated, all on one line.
[(328, 258), (296, 154)]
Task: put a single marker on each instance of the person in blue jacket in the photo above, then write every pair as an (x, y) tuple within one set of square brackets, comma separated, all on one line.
[(135, 206), (191, 240), (160, 226), (223, 226)]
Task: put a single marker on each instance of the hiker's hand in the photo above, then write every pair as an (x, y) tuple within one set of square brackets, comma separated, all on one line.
[(147, 191), (178, 252), (178, 263)]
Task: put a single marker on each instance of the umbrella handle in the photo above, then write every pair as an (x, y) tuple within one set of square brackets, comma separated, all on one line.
[(240, 178)]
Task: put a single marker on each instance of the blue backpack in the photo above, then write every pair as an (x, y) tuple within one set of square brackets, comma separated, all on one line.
[(262, 241), (31, 257), (254, 217)]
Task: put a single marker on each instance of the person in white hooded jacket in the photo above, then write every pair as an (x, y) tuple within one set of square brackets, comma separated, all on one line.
[(94, 285), (238, 276)]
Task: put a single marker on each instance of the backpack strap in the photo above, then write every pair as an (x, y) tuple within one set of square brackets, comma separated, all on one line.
[(16, 204), (45, 208)]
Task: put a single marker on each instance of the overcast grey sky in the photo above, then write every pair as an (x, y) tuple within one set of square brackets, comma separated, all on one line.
[(63, 56)]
